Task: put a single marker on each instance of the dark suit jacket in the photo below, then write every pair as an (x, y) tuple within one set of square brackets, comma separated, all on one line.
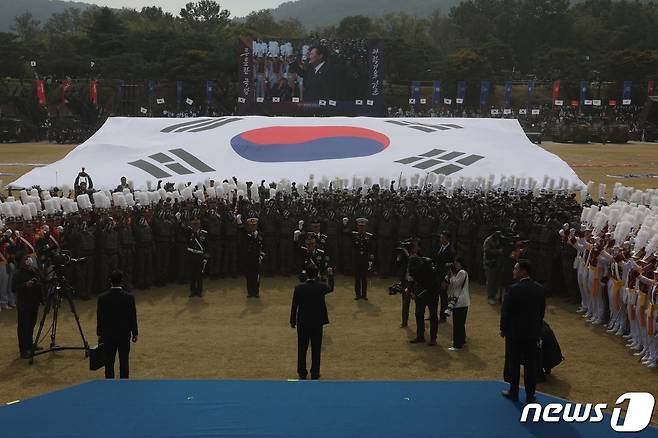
[(441, 258), (522, 314), (308, 306), (116, 315), (317, 86)]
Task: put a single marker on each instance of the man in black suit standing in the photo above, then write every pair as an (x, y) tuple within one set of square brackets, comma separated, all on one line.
[(116, 325), (317, 80), (443, 256), (309, 314), (521, 320)]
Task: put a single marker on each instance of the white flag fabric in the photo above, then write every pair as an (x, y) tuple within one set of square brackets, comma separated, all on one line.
[(412, 101), (190, 101), (272, 148), (295, 100), (160, 101), (423, 101)]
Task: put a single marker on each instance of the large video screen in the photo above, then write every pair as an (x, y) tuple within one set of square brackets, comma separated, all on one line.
[(311, 76)]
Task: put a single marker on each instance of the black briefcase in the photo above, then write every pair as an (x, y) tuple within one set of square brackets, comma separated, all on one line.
[(97, 357)]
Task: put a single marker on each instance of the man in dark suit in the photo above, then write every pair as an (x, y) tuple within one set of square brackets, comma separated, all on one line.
[(116, 325), (317, 80), (521, 321), (309, 314), (443, 256)]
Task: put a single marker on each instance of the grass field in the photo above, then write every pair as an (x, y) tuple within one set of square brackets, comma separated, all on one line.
[(225, 335)]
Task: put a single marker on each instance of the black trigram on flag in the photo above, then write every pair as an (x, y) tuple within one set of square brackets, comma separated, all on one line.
[(200, 125), (425, 127), (172, 164), (441, 162)]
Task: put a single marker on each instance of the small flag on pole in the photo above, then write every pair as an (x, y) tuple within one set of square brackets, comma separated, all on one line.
[(370, 102), (160, 101), (143, 110), (359, 102), (323, 103), (332, 103), (241, 100), (189, 101), (295, 100)]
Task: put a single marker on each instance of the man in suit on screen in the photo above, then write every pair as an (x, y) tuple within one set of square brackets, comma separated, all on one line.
[(317, 76)]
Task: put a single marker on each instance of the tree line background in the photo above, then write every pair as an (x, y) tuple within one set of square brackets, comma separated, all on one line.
[(477, 40)]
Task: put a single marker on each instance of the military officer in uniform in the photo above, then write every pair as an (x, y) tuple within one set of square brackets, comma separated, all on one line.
[(314, 256), (252, 256), (363, 258), (197, 257)]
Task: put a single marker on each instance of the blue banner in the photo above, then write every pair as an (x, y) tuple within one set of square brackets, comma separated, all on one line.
[(531, 88), (461, 90), (151, 87), (508, 94), (583, 91), (436, 93), (628, 88), (415, 90), (484, 93), (179, 92), (209, 92)]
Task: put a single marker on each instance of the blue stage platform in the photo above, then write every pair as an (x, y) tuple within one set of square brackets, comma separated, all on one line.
[(306, 409)]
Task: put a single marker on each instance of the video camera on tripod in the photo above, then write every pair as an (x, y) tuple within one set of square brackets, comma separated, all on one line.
[(57, 289)]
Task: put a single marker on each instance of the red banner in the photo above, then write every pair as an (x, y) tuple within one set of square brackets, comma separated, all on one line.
[(650, 88), (556, 90), (612, 102), (41, 92), (575, 103), (65, 86), (93, 93)]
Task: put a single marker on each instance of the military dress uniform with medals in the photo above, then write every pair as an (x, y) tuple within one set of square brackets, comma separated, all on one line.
[(252, 257), (196, 251), (363, 260)]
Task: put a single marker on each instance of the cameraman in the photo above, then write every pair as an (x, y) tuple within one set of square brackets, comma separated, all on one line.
[(27, 287), (426, 293), (408, 249), (459, 299)]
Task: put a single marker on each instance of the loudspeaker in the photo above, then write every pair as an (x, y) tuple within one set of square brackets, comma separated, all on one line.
[(649, 115)]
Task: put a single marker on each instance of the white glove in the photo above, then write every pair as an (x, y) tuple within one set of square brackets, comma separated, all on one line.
[(345, 221), (296, 235)]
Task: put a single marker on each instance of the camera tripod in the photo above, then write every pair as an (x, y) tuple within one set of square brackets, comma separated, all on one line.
[(58, 290)]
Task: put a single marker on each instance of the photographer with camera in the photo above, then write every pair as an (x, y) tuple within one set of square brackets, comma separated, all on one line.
[(26, 284), (459, 299), (408, 248), (424, 289)]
